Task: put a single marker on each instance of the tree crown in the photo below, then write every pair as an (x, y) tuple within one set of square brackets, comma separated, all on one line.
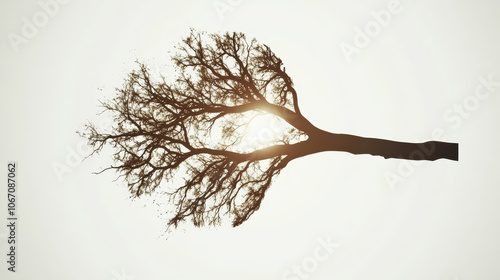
[(197, 124)]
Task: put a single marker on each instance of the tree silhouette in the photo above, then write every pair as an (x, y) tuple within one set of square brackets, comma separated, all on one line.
[(194, 127)]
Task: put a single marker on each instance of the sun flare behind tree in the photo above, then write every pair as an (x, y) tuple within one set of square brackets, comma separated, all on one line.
[(231, 121)]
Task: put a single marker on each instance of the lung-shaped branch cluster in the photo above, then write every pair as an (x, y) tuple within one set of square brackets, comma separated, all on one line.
[(192, 126), (195, 122)]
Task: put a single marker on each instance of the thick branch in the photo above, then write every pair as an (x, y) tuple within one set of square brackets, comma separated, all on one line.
[(431, 150)]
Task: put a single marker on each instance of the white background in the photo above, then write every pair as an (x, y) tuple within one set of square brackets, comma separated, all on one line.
[(440, 221)]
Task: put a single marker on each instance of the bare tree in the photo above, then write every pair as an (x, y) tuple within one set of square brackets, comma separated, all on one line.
[(193, 126)]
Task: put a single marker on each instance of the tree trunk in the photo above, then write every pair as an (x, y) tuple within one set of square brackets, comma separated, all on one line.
[(431, 150)]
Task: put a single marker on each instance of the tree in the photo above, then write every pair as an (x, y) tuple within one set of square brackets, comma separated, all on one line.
[(193, 126)]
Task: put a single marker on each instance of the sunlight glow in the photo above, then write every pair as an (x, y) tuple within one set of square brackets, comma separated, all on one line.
[(263, 130)]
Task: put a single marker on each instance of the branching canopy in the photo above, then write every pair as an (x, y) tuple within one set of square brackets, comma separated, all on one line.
[(196, 123)]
